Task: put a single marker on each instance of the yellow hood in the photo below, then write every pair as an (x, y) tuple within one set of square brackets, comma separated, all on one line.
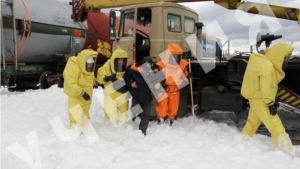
[(81, 59), (118, 53), (276, 55)]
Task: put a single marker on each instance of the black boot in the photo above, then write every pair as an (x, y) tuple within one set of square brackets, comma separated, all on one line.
[(133, 119), (144, 132), (171, 122), (143, 129), (159, 120)]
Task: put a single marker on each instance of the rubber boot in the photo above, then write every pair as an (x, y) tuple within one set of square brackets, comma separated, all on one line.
[(160, 120), (171, 122)]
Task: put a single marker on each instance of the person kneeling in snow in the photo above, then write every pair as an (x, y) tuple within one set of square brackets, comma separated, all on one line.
[(79, 81), (115, 89), (260, 84)]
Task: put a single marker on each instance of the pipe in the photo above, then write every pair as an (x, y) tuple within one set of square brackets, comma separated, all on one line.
[(2, 40), (199, 47), (14, 34), (228, 48)]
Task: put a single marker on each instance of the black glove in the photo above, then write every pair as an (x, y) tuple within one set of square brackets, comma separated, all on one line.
[(86, 96), (96, 86), (155, 66), (273, 109), (190, 75), (101, 85), (110, 78), (123, 89), (166, 87)]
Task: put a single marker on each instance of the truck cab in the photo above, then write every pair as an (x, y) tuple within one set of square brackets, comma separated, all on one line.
[(147, 29)]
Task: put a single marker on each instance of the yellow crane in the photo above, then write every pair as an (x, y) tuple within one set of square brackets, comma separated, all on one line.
[(81, 7), (262, 9)]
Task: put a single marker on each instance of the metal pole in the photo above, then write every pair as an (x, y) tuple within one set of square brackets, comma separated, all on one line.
[(192, 92), (199, 48), (72, 43), (14, 32), (2, 39), (228, 49), (199, 26)]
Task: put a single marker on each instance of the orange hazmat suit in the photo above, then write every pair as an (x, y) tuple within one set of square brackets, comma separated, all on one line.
[(175, 74)]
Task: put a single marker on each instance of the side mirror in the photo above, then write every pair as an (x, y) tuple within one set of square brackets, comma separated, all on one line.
[(112, 23), (258, 40)]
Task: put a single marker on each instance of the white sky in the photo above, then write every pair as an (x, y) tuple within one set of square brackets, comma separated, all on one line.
[(202, 144), (239, 27)]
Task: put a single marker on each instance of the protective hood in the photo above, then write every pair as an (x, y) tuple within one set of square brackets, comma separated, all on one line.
[(175, 74), (173, 49), (118, 56), (276, 55), (83, 56)]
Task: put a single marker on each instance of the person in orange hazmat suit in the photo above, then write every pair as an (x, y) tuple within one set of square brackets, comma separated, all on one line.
[(176, 74)]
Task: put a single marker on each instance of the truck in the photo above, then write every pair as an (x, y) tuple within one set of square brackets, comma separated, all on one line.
[(169, 22)]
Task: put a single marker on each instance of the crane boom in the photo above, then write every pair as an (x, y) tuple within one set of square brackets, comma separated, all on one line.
[(81, 7), (99, 4), (262, 9)]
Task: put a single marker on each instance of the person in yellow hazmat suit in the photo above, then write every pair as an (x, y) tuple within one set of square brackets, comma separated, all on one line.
[(110, 75), (259, 87), (79, 80)]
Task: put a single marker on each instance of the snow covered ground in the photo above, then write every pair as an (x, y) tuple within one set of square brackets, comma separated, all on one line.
[(28, 140)]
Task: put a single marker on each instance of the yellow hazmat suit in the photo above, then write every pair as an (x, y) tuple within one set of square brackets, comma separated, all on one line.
[(115, 103), (260, 84), (78, 81)]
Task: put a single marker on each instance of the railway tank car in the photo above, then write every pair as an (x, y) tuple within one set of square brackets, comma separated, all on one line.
[(38, 37), (43, 28)]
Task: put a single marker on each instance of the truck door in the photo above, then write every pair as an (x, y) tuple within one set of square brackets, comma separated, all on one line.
[(126, 34)]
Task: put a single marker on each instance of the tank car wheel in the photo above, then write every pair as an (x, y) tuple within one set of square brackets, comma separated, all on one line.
[(10, 84), (45, 81)]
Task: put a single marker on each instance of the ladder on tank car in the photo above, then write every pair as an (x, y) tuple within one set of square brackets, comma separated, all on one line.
[(4, 76)]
